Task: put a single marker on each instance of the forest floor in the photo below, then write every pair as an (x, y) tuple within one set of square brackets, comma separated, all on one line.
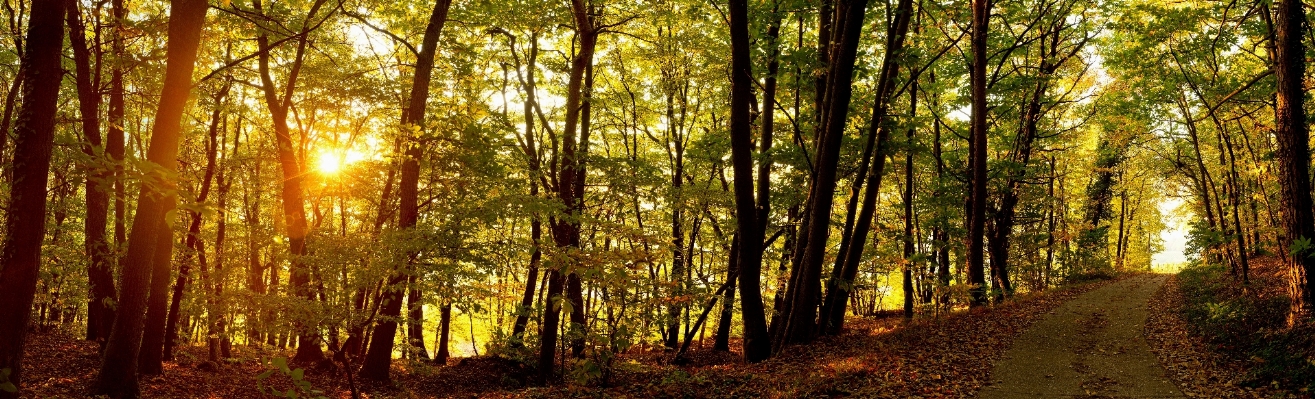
[(1090, 346), (951, 356), (931, 357), (1199, 368)]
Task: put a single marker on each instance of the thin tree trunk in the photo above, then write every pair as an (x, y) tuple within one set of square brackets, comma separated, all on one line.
[(535, 176), (908, 205), (193, 238), (99, 273), (846, 267), (803, 294), (721, 339), (566, 231)]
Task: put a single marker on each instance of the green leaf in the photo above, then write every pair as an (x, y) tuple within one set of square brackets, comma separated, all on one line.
[(298, 374)]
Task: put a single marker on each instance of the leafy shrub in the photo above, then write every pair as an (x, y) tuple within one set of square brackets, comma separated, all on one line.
[(1248, 324), (300, 387), (5, 385)]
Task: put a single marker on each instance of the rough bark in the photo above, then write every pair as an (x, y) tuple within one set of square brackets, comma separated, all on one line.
[(1292, 149)]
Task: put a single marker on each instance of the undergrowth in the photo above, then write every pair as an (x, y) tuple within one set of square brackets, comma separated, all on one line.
[(1247, 323)]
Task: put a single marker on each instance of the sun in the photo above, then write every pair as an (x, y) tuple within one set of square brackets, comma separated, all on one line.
[(329, 163), (333, 162)]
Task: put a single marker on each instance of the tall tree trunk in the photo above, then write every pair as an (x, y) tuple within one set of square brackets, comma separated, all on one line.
[(846, 267), (114, 141), (99, 273), (802, 295), (977, 157), (380, 355), (294, 207), (25, 225), (1239, 231), (908, 204), (1293, 153), (679, 258), (118, 371), (757, 344), (535, 176), (1021, 157), (566, 230)]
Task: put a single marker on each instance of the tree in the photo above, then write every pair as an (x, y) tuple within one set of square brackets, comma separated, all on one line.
[(25, 225), (977, 160), (757, 344), (799, 316), (118, 371), (1293, 154), (294, 203), (99, 273), (379, 358), (570, 190)]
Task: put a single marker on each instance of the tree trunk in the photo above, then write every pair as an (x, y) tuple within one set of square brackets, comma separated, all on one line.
[(379, 358), (757, 345), (977, 157), (721, 340), (846, 266), (566, 230), (803, 294), (444, 335), (25, 225), (535, 176), (99, 273), (150, 360), (294, 207), (118, 371), (193, 239), (908, 205), (1293, 153), (415, 320)]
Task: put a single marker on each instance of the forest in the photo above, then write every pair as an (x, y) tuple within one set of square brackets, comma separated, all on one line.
[(356, 198)]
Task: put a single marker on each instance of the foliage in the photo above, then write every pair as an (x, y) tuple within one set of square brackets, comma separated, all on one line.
[(5, 385), (301, 388), (1248, 324)]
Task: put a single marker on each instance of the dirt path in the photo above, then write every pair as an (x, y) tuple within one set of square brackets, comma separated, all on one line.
[(1091, 346)]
